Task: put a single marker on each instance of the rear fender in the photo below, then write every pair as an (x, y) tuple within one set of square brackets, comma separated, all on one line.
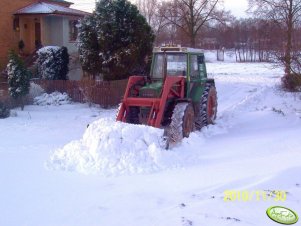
[(210, 81), (198, 89)]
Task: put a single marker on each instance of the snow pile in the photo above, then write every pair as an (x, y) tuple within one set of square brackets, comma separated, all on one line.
[(111, 148), (55, 98)]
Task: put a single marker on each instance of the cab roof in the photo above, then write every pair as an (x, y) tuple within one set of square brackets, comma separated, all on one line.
[(176, 49)]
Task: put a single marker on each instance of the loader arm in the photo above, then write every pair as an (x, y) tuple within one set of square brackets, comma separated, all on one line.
[(173, 87)]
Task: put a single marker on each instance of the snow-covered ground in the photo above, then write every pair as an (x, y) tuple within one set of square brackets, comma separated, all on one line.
[(54, 171)]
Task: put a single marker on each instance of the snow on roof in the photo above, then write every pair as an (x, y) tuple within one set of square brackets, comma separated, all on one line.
[(48, 8), (61, 1)]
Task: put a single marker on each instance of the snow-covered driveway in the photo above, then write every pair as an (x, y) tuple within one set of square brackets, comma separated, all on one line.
[(254, 147)]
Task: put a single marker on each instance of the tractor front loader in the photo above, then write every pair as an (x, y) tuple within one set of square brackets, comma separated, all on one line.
[(177, 96)]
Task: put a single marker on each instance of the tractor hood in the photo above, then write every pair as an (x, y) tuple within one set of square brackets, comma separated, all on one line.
[(151, 90)]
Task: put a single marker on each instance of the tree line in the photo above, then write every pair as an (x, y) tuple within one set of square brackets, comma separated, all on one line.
[(272, 33), (118, 37)]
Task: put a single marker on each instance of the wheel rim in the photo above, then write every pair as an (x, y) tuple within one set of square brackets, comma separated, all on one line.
[(211, 106), (188, 125)]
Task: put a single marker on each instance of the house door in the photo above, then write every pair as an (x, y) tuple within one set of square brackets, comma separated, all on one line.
[(38, 42)]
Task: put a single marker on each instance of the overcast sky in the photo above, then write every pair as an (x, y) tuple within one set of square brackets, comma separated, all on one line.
[(237, 7)]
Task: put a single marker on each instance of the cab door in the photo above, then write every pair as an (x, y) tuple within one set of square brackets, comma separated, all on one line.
[(198, 75), (202, 67)]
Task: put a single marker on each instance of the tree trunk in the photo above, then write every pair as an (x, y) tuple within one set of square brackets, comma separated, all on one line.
[(192, 41), (192, 24), (288, 49), (21, 99)]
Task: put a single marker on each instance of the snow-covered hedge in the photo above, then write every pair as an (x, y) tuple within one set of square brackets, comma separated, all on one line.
[(55, 98), (18, 77), (53, 63)]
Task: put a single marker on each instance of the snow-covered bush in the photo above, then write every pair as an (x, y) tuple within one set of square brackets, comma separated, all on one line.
[(53, 63), (18, 78), (116, 38), (35, 90), (4, 110), (292, 82), (55, 98)]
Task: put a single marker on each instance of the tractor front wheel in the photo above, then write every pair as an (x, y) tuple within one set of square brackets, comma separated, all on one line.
[(182, 123)]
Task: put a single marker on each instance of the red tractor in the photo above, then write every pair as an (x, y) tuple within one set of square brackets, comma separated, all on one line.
[(177, 96)]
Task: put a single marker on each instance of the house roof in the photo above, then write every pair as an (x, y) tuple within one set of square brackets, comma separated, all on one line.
[(49, 8), (61, 1)]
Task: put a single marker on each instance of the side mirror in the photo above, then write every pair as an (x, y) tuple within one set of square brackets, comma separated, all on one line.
[(201, 59)]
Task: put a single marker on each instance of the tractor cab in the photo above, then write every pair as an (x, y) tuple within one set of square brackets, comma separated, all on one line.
[(178, 61), (175, 61), (177, 96)]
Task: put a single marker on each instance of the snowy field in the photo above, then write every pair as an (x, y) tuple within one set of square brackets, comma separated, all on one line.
[(54, 171)]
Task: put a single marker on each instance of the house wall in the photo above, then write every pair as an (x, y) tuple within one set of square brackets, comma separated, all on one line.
[(8, 37), (66, 40), (52, 28), (27, 32), (56, 32), (75, 69)]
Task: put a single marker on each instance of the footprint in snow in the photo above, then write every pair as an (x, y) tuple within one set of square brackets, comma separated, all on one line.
[(186, 222)]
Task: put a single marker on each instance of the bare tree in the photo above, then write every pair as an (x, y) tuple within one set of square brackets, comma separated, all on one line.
[(152, 11), (148, 9), (190, 15), (287, 14)]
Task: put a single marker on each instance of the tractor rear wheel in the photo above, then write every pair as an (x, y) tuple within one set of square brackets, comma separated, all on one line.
[(206, 109), (182, 123)]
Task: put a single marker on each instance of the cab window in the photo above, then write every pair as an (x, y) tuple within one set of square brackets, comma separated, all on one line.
[(202, 66), (194, 70), (176, 65)]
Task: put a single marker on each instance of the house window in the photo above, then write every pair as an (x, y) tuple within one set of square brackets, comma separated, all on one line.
[(73, 30), (16, 24)]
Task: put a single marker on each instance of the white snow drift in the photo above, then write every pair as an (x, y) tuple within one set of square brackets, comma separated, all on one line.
[(110, 147)]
